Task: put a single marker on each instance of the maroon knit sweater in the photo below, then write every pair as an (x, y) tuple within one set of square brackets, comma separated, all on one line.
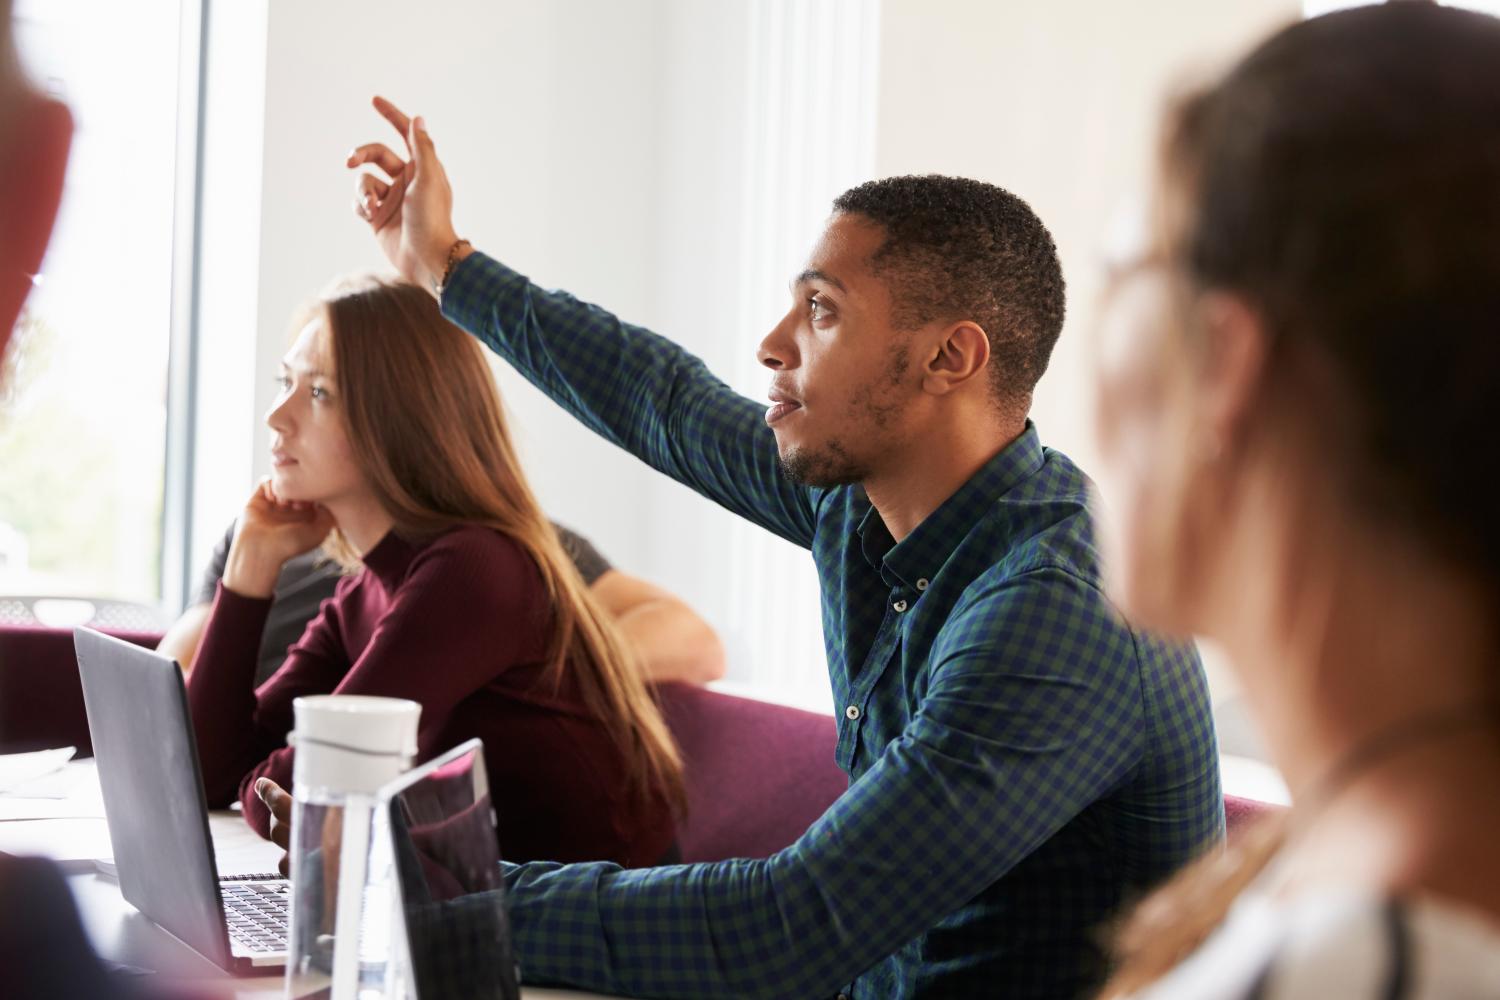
[(459, 624)]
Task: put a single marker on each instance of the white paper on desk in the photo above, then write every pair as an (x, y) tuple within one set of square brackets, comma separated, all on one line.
[(76, 777), (18, 769), (18, 810), (71, 793), (73, 843)]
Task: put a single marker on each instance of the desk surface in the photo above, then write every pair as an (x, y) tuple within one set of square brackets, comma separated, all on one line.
[(74, 833)]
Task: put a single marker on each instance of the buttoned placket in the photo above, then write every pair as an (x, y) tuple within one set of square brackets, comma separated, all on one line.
[(882, 651)]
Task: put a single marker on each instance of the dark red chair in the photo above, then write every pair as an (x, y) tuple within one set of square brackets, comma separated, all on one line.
[(757, 774), (41, 701)]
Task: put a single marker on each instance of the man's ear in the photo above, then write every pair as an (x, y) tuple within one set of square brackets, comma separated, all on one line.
[(1232, 367), (961, 354), (33, 160)]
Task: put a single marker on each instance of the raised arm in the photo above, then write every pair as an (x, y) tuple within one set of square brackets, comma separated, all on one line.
[(636, 389)]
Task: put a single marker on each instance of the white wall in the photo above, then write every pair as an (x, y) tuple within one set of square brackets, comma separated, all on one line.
[(1058, 103), (604, 146), (598, 146), (546, 116)]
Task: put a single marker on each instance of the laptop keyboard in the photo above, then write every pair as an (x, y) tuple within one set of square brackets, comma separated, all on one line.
[(257, 914)]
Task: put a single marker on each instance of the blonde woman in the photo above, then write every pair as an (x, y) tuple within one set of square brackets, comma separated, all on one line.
[(390, 449), (1300, 392)]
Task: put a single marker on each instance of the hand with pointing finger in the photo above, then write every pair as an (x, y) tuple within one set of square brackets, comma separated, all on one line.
[(411, 212), (279, 802)]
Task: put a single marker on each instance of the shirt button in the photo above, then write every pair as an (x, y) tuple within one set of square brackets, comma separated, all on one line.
[(900, 606), (922, 583), (851, 713)]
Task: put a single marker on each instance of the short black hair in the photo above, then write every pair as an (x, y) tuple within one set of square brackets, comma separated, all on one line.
[(960, 249)]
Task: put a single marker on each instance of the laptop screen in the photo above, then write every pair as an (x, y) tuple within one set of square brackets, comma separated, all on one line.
[(153, 796)]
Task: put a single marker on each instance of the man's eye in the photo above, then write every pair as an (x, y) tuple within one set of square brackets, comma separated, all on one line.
[(816, 309)]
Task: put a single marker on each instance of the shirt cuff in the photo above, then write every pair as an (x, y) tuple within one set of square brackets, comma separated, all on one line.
[(238, 613), (473, 287)]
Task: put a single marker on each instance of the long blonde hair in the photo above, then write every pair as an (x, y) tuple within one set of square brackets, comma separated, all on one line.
[(429, 433), (1174, 920)]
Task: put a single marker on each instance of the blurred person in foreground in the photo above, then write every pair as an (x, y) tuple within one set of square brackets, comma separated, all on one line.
[(43, 949), (35, 133), (1299, 387)]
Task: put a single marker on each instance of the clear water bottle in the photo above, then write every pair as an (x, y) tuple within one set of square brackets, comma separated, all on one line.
[(344, 904)]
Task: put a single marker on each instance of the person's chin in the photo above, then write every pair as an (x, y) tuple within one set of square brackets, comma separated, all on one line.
[(284, 483), (790, 440), (790, 450)]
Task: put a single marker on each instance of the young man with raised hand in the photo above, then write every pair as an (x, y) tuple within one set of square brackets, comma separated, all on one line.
[(1020, 759)]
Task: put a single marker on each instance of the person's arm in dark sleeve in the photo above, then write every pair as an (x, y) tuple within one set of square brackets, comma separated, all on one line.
[(231, 722), (636, 389), (208, 583), (1013, 739)]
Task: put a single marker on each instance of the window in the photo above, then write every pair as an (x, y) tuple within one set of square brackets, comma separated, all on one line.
[(83, 408)]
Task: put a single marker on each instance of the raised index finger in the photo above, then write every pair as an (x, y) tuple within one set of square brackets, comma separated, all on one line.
[(394, 115)]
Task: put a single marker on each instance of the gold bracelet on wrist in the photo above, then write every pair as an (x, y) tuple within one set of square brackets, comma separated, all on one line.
[(448, 267)]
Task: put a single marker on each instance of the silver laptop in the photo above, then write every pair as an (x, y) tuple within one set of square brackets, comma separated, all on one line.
[(157, 815)]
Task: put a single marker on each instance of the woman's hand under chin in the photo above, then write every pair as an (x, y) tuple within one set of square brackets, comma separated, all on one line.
[(271, 531)]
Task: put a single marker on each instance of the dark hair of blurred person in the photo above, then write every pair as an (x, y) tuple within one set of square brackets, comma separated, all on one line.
[(1300, 381)]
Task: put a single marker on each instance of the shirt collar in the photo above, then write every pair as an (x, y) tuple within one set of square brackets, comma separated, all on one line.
[(389, 558), (920, 555)]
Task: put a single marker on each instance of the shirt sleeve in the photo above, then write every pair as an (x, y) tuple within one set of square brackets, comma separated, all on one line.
[(208, 584), (638, 390), (1012, 740), (430, 621), (222, 697), (590, 561)]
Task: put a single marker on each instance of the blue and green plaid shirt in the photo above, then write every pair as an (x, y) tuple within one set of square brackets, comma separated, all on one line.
[(1021, 762)]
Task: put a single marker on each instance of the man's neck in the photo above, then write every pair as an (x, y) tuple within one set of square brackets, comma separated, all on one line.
[(924, 475)]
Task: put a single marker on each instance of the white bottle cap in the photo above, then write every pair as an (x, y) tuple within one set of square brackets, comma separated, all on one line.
[(352, 744)]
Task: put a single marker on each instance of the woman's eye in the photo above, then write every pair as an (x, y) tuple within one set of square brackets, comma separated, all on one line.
[(318, 392), (283, 383)]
